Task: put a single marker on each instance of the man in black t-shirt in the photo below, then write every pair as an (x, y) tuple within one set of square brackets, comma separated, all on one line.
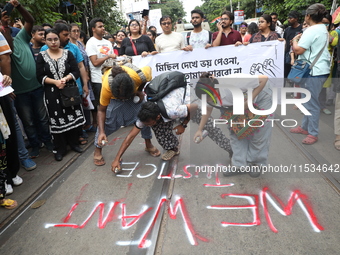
[(293, 29)]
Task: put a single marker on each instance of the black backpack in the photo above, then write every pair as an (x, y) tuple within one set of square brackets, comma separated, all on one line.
[(162, 85)]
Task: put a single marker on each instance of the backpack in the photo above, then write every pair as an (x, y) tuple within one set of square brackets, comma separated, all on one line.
[(189, 34), (162, 85)]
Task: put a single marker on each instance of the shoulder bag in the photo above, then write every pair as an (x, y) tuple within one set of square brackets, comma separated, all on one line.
[(69, 95), (301, 68)]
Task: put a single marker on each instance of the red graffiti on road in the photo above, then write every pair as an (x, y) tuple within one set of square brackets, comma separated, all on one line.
[(127, 221)]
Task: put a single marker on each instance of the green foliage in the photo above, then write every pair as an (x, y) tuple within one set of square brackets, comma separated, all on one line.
[(42, 11), (108, 11), (172, 8), (48, 11), (214, 8)]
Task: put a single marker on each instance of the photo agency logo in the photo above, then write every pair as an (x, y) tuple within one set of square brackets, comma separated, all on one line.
[(227, 95)]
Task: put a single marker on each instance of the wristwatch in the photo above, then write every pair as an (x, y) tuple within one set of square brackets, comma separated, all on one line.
[(184, 125)]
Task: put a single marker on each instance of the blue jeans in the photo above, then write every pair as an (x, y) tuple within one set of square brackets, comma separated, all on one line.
[(22, 151), (32, 112), (314, 85)]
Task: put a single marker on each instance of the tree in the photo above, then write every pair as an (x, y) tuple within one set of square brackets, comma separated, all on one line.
[(214, 8), (172, 8), (80, 11), (43, 11), (108, 11)]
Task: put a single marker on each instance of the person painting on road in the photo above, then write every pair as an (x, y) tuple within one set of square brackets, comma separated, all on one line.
[(118, 108)]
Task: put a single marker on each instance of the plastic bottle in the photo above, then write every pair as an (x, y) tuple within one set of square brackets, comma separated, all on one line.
[(204, 135)]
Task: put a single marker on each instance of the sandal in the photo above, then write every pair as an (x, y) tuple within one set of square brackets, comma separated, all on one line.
[(169, 154), (99, 162), (299, 130), (82, 141), (154, 152), (337, 144), (9, 204), (310, 140), (91, 129)]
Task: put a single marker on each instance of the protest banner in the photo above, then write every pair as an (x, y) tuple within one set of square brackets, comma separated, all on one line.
[(256, 58)]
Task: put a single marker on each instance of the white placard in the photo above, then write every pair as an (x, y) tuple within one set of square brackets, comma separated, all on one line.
[(256, 58)]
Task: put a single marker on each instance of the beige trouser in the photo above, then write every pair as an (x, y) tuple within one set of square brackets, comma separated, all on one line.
[(337, 115)]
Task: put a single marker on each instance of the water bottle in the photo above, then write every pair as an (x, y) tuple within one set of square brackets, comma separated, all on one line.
[(204, 135)]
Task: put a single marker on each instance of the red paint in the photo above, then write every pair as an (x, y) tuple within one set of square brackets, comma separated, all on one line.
[(254, 207), (295, 196), (134, 217), (172, 212), (126, 193), (217, 181), (160, 176), (68, 216), (113, 141), (82, 190), (185, 169)]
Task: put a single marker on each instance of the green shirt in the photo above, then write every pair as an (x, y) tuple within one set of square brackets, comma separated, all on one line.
[(24, 78)]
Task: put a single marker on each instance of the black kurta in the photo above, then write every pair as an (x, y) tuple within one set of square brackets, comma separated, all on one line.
[(61, 118)]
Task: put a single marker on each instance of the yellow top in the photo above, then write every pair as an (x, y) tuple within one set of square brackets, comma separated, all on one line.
[(106, 93)]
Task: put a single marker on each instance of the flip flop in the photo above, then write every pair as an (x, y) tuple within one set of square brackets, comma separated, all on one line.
[(154, 152), (337, 144), (82, 140), (99, 162), (169, 155), (310, 139), (9, 204)]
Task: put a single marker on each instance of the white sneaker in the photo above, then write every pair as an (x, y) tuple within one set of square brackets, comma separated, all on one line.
[(17, 180), (9, 189)]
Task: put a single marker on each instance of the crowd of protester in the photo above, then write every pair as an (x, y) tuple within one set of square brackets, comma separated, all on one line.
[(40, 60)]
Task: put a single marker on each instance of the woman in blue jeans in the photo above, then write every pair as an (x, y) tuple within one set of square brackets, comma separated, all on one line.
[(307, 46)]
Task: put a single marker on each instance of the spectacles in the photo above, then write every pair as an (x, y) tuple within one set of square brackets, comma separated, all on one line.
[(75, 31), (52, 39), (134, 25), (166, 23), (224, 19)]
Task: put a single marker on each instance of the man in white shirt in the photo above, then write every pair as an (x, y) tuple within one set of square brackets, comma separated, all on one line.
[(199, 37), (98, 49), (278, 29), (169, 40)]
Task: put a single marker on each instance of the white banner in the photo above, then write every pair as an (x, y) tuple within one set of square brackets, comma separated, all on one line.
[(256, 58)]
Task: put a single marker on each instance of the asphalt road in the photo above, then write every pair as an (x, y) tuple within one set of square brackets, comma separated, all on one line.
[(177, 207)]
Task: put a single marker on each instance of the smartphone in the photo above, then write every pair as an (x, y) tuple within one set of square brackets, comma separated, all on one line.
[(8, 8), (145, 13)]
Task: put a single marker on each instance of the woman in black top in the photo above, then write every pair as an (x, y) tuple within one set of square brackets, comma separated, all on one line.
[(137, 44), (121, 35)]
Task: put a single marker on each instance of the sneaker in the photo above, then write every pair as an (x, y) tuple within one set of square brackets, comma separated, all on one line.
[(326, 111), (9, 189), (28, 164), (34, 152), (49, 146), (17, 180)]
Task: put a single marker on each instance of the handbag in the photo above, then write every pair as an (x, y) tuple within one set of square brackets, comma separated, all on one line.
[(302, 68), (70, 95), (243, 131)]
